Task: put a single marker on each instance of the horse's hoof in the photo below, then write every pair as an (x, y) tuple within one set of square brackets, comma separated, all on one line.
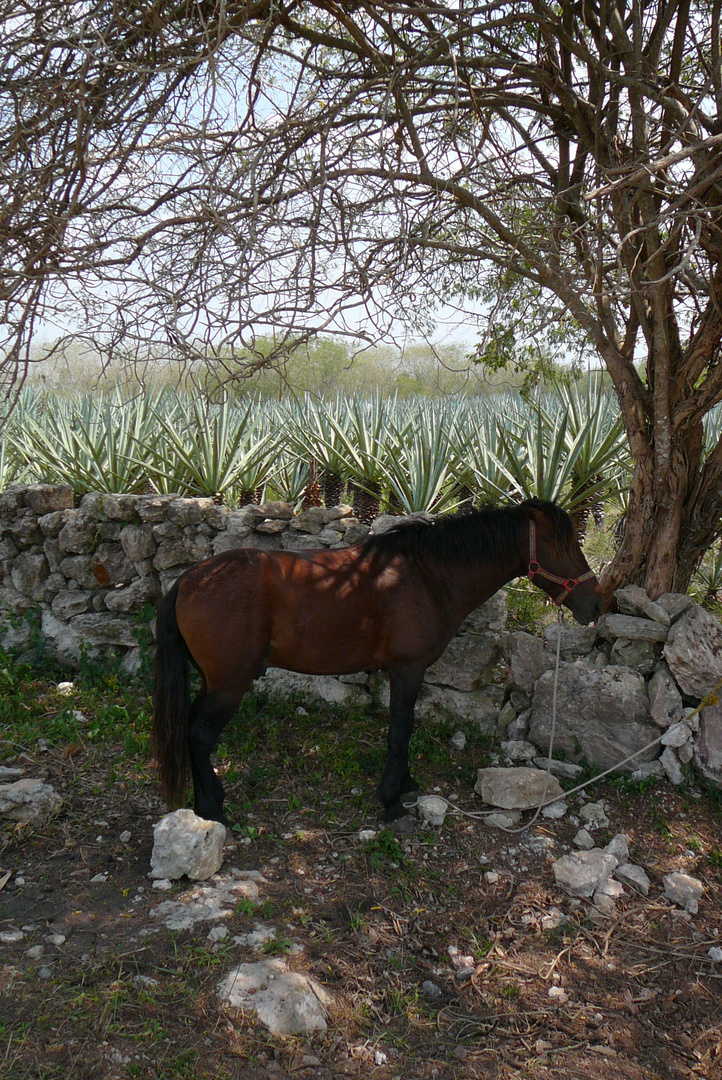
[(403, 826)]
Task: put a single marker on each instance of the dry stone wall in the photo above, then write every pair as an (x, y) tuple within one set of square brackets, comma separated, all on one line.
[(648, 674)]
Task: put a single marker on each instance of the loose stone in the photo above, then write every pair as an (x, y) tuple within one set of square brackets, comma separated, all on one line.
[(432, 809), (594, 814), (670, 764), (186, 844), (286, 1002), (584, 840), (582, 872), (518, 788), (683, 890), (555, 810), (634, 876)]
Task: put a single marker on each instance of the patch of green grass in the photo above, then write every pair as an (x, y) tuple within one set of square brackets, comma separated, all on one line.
[(277, 946), (385, 847)]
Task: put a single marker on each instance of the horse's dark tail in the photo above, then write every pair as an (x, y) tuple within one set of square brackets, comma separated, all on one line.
[(171, 703)]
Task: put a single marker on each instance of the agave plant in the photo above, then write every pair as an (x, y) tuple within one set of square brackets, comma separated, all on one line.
[(419, 469), (541, 455), (364, 436), (211, 450), (89, 442), (315, 430), (603, 454)]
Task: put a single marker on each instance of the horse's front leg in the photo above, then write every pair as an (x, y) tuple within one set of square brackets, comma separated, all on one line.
[(397, 780)]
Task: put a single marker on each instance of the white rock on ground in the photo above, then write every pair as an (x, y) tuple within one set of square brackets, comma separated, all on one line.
[(208, 901), (501, 820), (607, 894), (286, 1002), (619, 847), (518, 788), (670, 764), (432, 809), (683, 890), (635, 876), (28, 800), (594, 814), (186, 844), (555, 810), (582, 872), (584, 840)]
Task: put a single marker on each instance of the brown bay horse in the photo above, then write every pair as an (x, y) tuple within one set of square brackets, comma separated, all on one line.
[(392, 604)]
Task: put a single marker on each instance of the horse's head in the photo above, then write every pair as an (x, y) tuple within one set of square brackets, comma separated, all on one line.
[(557, 564)]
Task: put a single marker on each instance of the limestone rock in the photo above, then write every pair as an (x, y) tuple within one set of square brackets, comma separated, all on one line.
[(466, 663), (432, 809), (633, 600), (675, 604), (528, 659), (670, 764), (694, 652), (29, 575), (575, 640), (186, 844), (641, 656), (518, 750), (665, 700), (565, 769), (619, 847), (676, 735), (582, 872), (78, 534), (583, 840), (489, 617), (70, 602), (208, 901), (181, 552), (500, 820), (610, 627), (517, 788), (606, 894), (110, 566), (284, 1001), (634, 876), (47, 498), (323, 687), (28, 800), (138, 542), (602, 714), (708, 744), (683, 890), (594, 813)]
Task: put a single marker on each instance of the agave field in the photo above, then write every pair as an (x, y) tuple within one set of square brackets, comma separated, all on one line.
[(378, 452)]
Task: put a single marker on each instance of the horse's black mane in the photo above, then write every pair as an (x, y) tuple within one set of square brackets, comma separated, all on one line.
[(458, 537)]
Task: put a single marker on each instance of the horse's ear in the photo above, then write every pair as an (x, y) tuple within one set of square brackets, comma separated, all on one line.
[(534, 513)]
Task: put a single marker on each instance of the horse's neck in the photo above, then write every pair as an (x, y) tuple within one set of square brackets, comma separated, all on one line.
[(470, 586)]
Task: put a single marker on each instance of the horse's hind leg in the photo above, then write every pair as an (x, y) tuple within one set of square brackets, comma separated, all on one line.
[(211, 711), (397, 780)]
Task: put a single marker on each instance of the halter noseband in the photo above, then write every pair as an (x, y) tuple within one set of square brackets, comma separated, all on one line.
[(535, 570)]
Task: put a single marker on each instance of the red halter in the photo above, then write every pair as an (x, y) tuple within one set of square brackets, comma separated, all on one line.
[(535, 570)]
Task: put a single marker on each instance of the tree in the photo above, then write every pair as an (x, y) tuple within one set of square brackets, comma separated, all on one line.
[(193, 175)]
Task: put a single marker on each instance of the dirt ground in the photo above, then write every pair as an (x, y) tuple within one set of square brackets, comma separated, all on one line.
[(93, 987)]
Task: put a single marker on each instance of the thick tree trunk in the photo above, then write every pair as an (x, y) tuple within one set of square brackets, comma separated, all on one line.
[(673, 518)]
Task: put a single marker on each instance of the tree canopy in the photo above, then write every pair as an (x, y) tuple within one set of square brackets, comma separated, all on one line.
[(189, 176)]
